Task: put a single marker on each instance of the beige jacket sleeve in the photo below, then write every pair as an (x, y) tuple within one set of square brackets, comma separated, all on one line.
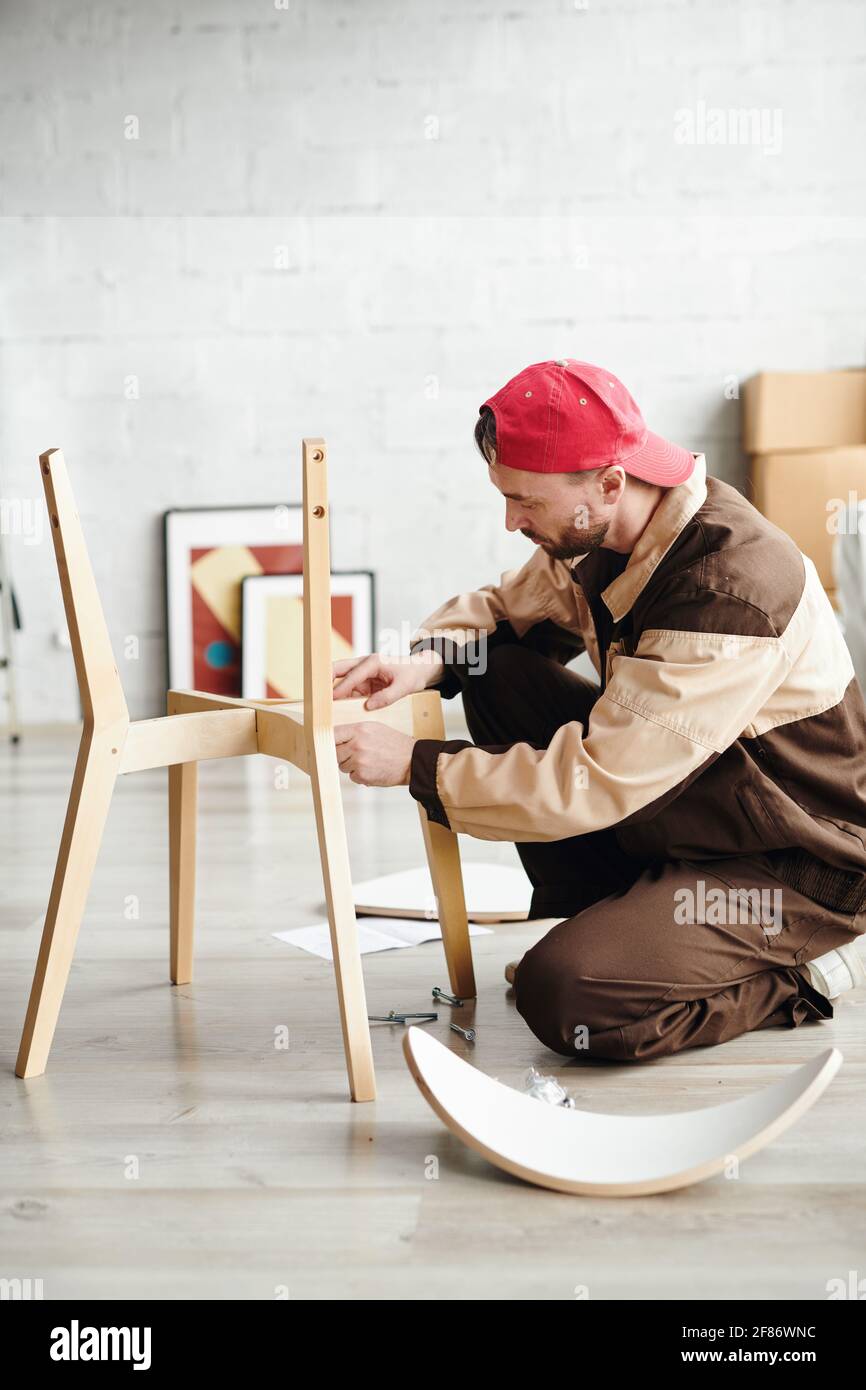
[(542, 590), (678, 702)]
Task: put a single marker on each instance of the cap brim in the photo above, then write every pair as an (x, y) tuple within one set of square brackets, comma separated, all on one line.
[(659, 461)]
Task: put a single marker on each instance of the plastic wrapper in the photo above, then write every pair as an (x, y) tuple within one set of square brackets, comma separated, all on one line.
[(547, 1089)]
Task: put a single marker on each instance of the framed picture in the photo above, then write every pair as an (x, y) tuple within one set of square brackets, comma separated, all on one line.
[(273, 629), (209, 551)]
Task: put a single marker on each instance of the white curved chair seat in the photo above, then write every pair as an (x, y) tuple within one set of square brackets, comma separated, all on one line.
[(600, 1155)]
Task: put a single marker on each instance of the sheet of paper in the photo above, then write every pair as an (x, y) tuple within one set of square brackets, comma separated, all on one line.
[(374, 934)]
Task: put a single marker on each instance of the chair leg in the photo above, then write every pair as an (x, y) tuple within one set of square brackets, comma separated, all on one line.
[(334, 854), (182, 806), (443, 859), (89, 800)]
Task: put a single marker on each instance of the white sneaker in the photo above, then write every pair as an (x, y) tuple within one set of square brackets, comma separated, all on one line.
[(837, 972)]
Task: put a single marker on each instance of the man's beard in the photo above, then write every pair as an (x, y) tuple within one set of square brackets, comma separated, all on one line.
[(572, 544)]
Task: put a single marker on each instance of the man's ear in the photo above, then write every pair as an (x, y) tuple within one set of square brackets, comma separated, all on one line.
[(612, 483)]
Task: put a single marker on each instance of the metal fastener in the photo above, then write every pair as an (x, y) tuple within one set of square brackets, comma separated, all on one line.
[(395, 1017), (447, 998), (467, 1033)]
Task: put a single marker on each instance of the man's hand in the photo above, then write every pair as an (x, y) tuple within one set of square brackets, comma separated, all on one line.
[(382, 680), (373, 754)]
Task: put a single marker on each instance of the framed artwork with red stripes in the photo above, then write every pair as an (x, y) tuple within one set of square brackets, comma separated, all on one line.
[(209, 551)]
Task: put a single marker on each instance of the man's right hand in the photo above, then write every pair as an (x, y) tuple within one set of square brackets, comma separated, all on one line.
[(381, 680)]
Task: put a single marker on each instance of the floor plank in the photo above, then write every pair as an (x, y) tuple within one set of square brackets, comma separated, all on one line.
[(173, 1151)]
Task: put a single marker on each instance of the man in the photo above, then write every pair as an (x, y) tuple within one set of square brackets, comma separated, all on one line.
[(698, 818)]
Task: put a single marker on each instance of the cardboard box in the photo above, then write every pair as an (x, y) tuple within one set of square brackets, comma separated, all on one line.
[(805, 494), (804, 410)]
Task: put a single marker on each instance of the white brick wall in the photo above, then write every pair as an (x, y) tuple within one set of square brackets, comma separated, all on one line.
[(462, 186)]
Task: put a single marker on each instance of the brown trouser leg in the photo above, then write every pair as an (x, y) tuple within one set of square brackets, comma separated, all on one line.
[(628, 978), (653, 958)]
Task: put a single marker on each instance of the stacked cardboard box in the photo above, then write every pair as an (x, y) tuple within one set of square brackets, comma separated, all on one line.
[(805, 434)]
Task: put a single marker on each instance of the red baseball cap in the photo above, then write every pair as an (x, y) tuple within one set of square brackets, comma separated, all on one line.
[(568, 417)]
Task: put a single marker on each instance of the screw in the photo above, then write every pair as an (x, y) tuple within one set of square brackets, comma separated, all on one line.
[(394, 1017), (318, 511), (467, 1033), (448, 998)]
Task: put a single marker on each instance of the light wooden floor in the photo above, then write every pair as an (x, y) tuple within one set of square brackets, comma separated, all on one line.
[(255, 1171)]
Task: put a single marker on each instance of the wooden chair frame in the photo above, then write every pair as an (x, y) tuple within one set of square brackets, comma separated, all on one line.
[(198, 726)]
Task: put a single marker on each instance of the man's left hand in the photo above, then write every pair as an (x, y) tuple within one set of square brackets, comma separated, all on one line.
[(373, 754)]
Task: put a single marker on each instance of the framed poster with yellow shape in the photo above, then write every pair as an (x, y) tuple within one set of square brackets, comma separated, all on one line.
[(272, 627), (209, 551)]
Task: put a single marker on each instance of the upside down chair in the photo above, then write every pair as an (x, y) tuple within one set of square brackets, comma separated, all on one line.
[(199, 726)]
